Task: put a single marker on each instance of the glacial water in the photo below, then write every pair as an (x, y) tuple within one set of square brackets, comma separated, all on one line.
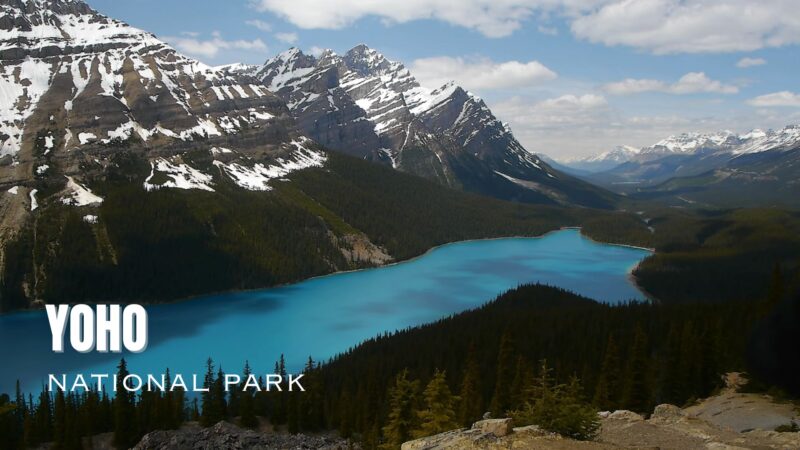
[(324, 316)]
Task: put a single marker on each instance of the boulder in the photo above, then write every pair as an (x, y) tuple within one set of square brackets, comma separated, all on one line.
[(667, 413), (497, 427), (624, 414)]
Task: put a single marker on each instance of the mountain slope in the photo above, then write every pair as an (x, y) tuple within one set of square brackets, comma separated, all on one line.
[(760, 179), (78, 86), (364, 105)]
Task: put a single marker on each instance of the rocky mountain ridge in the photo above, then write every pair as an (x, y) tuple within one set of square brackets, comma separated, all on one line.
[(79, 88), (363, 104)]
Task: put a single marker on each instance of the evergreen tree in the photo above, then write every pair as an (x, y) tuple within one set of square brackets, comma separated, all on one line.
[(219, 402), (606, 393), (59, 420), (125, 429), (521, 383), (402, 418), (246, 406), (208, 414), (471, 401), (501, 399), (637, 387), (558, 408), (775, 292), (438, 415), (195, 414)]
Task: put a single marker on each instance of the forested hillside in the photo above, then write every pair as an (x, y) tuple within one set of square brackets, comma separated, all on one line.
[(448, 373), (166, 244)]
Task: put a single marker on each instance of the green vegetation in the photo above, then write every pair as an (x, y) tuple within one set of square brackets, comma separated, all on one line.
[(557, 407), (628, 356), (172, 243), (408, 215)]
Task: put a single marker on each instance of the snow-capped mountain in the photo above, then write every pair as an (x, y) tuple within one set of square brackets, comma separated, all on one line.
[(603, 161), (726, 142), (75, 85), (366, 105), (695, 154)]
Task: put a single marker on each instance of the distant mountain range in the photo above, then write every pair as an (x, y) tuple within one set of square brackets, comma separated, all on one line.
[(602, 161), (758, 168)]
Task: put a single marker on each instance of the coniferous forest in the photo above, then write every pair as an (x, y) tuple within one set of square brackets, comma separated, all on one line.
[(539, 354)]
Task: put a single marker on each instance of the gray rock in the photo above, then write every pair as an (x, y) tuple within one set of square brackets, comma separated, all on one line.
[(625, 415), (226, 436), (497, 427), (667, 413)]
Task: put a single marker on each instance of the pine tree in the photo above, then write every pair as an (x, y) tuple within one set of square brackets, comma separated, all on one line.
[(208, 415), (125, 435), (195, 415), (219, 404), (44, 417), (521, 383), (637, 387), (246, 407), (557, 407), (402, 412), (471, 401), (775, 292), (438, 415), (501, 399), (59, 420), (606, 393)]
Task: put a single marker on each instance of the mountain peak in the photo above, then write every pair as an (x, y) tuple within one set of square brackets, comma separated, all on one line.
[(365, 61)]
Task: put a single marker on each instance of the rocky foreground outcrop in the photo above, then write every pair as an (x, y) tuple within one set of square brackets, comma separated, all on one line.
[(225, 436), (669, 427)]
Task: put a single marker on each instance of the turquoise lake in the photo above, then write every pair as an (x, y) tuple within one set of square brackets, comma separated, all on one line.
[(324, 316)]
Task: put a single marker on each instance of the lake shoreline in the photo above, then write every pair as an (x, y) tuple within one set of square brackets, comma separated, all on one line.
[(40, 306)]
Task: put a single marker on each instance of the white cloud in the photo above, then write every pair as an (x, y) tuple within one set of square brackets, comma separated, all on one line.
[(480, 73), (493, 18), (660, 26), (315, 51), (550, 31), (289, 38), (691, 26), (691, 83), (581, 125), (750, 62), (260, 24), (564, 111), (783, 98), (209, 48)]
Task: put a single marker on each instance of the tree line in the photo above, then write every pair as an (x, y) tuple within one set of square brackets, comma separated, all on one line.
[(536, 353)]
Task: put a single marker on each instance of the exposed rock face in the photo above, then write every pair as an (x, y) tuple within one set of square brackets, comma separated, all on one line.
[(78, 87), (744, 411), (366, 105), (77, 84), (497, 427), (476, 438), (224, 436), (669, 427)]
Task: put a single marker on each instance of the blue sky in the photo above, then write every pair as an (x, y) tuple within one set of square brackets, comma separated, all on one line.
[(572, 77)]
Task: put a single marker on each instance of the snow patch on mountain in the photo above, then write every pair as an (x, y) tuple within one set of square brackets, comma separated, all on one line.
[(177, 175), (77, 195)]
